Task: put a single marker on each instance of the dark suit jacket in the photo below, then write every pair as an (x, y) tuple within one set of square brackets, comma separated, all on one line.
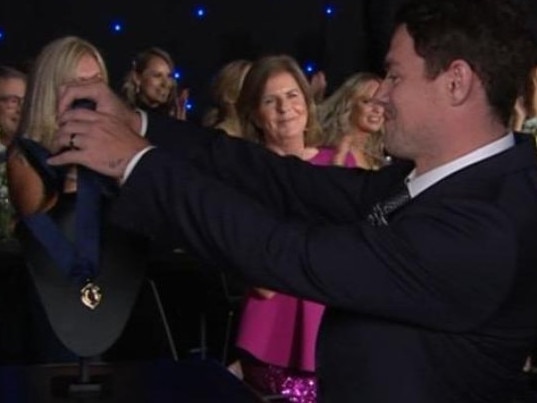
[(438, 306)]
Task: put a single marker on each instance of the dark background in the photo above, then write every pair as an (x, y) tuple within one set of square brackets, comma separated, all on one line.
[(353, 38)]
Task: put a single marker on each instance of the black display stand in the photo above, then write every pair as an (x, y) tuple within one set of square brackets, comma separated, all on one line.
[(87, 333), (84, 386)]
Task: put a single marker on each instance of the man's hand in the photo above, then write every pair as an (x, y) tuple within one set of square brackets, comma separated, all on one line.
[(106, 101), (104, 140)]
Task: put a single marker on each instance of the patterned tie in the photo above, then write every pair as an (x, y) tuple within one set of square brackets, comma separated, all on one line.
[(381, 210)]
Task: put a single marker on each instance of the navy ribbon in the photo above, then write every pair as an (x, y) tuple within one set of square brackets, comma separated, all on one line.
[(77, 259)]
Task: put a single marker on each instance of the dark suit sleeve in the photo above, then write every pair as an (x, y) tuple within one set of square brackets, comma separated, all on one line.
[(398, 271), (283, 184)]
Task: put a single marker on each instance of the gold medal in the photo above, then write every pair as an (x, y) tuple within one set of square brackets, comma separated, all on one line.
[(91, 295)]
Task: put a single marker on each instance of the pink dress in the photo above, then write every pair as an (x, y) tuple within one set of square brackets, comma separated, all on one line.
[(281, 332)]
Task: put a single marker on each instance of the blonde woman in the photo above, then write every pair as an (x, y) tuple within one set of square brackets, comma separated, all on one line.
[(67, 59), (150, 85), (352, 123)]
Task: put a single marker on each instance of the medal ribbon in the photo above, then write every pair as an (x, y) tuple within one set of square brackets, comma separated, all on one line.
[(78, 259)]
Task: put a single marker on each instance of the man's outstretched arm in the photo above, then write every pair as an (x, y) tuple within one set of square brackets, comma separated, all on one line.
[(390, 271), (106, 140)]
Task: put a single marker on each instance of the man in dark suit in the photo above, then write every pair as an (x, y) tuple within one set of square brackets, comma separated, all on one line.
[(432, 301)]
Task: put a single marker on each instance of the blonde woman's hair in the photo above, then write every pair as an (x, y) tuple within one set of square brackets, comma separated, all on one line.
[(55, 66), (335, 116), (225, 90), (252, 90)]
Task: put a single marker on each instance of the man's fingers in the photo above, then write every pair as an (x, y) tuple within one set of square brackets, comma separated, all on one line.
[(76, 90), (77, 115), (65, 157), (64, 136)]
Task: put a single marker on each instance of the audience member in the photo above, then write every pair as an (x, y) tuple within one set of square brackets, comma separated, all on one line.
[(12, 90), (150, 85), (276, 108), (79, 61), (525, 112), (352, 122), (225, 90), (431, 295)]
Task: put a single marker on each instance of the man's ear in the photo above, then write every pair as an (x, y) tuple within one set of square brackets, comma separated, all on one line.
[(459, 80)]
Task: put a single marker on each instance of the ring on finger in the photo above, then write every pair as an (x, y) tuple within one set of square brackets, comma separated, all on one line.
[(72, 141)]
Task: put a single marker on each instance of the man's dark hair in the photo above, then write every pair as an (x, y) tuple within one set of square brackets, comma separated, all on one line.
[(490, 35)]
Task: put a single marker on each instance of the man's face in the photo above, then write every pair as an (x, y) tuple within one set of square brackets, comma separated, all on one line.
[(411, 100), (12, 92)]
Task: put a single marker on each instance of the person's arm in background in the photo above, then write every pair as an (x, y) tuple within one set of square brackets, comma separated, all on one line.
[(265, 293), (318, 86)]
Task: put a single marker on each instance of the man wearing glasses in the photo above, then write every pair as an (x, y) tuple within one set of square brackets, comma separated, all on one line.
[(12, 90)]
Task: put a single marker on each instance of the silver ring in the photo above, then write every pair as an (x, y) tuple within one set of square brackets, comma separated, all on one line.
[(72, 141)]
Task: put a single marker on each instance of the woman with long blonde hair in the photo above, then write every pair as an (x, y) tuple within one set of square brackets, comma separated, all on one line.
[(352, 123)]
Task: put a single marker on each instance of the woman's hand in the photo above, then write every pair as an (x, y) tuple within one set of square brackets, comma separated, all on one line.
[(343, 148), (266, 294), (519, 115), (180, 104)]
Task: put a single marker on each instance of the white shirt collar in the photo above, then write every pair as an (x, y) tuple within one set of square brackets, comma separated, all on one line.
[(417, 184)]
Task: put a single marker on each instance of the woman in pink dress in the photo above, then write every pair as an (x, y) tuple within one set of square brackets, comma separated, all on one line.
[(277, 332)]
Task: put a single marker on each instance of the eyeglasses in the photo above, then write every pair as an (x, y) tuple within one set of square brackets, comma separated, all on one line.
[(11, 99)]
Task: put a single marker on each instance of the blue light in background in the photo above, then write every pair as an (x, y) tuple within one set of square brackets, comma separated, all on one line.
[(310, 67), (116, 26), (200, 12), (2, 34), (329, 10), (177, 74), (189, 106)]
